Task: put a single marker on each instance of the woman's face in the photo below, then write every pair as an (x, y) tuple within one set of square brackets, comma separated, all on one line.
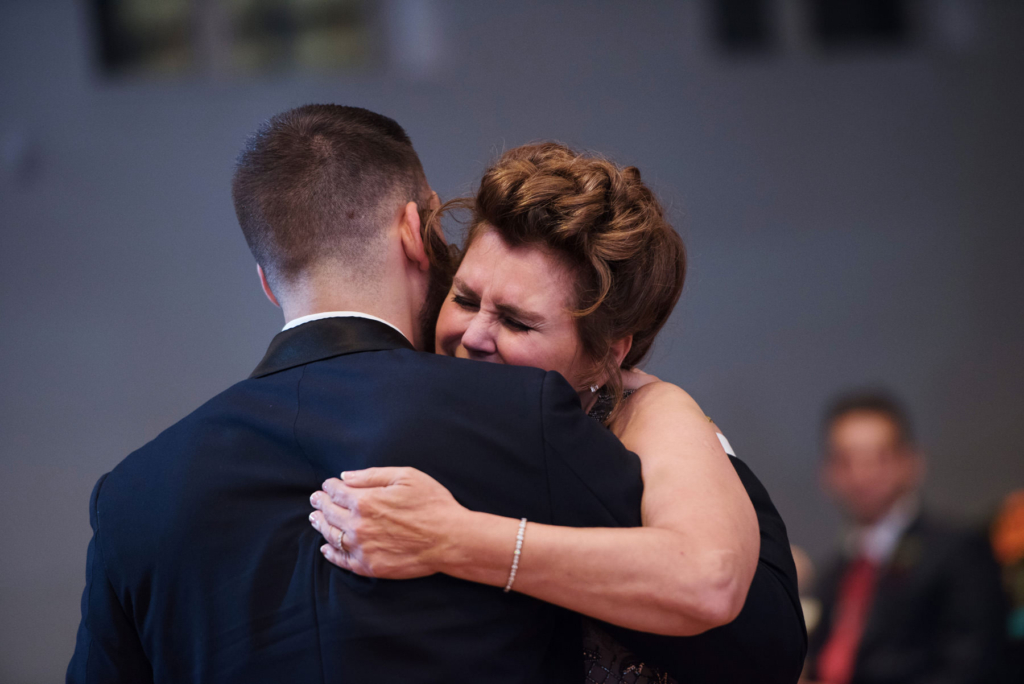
[(511, 306)]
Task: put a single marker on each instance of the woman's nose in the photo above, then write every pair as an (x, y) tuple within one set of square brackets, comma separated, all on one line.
[(479, 338)]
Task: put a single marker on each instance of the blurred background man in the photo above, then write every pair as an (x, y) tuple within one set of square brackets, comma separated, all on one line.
[(909, 599)]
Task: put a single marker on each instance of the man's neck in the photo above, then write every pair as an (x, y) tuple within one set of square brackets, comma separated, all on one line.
[(403, 326), (317, 302)]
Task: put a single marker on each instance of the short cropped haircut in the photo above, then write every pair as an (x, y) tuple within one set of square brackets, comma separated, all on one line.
[(880, 402), (320, 184)]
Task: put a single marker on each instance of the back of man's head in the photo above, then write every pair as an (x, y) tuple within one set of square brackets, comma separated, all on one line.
[(319, 186)]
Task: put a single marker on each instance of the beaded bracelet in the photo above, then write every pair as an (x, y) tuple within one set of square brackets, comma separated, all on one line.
[(515, 557)]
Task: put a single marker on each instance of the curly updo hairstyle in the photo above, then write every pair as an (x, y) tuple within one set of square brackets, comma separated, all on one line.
[(628, 263)]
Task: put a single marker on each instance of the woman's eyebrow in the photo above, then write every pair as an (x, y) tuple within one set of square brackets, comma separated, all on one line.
[(460, 285), (505, 309), (520, 314)]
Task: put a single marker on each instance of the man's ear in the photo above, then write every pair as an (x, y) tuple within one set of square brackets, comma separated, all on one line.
[(266, 286), (412, 239)]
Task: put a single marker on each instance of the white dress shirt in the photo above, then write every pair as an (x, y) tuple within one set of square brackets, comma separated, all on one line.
[(878, 542)]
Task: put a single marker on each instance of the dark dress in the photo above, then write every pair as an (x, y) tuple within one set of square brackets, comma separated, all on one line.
[(731, 653), (606, 661)]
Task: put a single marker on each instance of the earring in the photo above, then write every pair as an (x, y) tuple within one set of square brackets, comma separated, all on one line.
[(593, 389)]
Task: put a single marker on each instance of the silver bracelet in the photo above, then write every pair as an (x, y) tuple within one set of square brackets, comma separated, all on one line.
[(515, 557)]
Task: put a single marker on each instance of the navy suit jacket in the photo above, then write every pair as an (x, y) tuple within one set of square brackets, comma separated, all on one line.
[(203, 566)]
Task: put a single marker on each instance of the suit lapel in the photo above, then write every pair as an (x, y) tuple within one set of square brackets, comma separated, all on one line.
[(327, 338)]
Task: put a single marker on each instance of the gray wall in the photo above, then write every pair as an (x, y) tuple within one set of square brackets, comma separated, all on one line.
[(850, 219)]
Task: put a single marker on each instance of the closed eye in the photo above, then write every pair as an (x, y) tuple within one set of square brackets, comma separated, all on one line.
[(465, 303), (515, 325)]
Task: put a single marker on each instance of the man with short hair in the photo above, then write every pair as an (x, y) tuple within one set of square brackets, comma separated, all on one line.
[(910, 599), (203, 566)]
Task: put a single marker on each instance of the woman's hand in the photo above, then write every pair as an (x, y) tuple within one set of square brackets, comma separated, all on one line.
[(391, 523)]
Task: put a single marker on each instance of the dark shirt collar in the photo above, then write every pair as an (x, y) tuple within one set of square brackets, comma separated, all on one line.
[(326, 338)]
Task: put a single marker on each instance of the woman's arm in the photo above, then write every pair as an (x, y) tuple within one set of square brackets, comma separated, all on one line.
[(686, 571)]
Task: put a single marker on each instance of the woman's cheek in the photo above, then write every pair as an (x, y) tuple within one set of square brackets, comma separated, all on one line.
[(550, 356), (447, 331), (519, 352)]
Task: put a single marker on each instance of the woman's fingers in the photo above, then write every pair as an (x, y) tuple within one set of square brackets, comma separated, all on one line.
[(335, 514), (384, 522), (339, 558), (338, 492), (374, 477), (336, 550), (344, 560), (334, 535)]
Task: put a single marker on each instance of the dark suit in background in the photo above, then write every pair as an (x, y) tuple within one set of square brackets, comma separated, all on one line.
[(203, 566), (937, 614)]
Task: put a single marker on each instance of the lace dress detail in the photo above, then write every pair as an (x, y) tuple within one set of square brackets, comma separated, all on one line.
[(603, 406), (605, 660)]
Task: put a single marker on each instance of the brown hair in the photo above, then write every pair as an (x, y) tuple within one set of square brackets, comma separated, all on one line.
[(877, 401), (629, 264), (320, 183)]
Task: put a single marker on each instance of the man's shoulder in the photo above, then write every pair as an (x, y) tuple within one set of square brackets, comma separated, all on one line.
[(267, 405), (436, 384), (219, 425), (163, 496), (945, 541), (423, 367), (242, 402)]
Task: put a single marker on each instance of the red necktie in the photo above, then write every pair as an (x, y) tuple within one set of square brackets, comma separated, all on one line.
[(835, 664)]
